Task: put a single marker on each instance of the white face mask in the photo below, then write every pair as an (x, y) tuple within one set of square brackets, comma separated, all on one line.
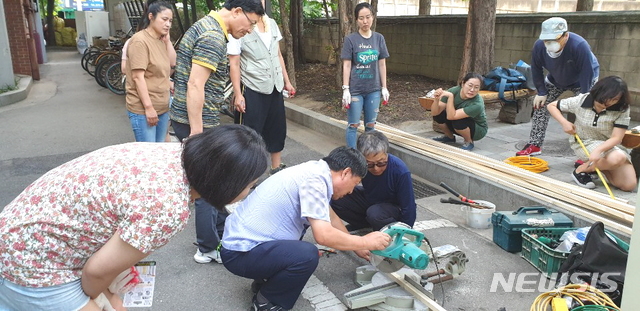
[(552, 46)]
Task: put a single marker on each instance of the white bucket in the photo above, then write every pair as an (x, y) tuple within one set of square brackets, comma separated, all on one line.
[(479, 218)]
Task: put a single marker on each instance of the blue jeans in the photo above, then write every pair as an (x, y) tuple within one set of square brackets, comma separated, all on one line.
[(370, 104), (209, 225), (285, 265), (69, 296), (145, 133)]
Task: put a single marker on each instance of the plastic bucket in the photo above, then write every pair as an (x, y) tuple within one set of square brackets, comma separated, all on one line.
[(479, 218)]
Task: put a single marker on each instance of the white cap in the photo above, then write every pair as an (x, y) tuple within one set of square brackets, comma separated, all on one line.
[(552, 28)]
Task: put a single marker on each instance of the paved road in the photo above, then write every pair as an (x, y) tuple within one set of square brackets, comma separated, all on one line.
[(67, 114)]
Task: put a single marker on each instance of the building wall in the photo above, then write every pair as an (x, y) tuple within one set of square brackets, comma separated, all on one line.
[(18, 36), (432, 45)]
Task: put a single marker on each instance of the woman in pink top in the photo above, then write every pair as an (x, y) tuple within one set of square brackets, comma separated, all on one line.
[(67, 236)]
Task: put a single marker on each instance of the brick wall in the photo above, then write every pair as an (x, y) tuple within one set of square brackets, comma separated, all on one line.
[(18, 40), (432, 45)]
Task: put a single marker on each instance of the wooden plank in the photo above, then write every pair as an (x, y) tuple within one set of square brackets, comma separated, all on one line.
[(561, 188), (491, 96), (430, 303)]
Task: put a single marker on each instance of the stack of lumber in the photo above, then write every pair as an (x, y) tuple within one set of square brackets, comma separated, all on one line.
[(615, 214)]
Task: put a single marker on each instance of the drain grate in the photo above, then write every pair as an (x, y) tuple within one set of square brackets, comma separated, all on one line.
[(422, 190)]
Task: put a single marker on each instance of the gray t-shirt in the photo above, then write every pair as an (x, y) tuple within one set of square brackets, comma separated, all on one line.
[(364, 54)]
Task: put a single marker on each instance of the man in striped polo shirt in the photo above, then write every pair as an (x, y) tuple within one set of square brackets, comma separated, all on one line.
[(202, 72)]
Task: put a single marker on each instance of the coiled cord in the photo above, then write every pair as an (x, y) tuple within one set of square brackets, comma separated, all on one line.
[(531, 164)]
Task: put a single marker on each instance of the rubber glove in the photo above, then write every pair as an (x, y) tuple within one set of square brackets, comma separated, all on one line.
[(385, 95), (346, 98), (538, 101)]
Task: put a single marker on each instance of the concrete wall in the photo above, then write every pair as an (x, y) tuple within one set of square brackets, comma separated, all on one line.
[(410, 7), (432, 45), (6, 74)]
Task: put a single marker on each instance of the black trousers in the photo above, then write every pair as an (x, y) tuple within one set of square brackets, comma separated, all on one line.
[(354, 209)]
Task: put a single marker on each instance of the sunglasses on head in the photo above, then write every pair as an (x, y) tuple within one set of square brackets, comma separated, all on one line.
[(379, 164)]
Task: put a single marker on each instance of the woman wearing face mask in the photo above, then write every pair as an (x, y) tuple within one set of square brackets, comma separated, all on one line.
[(364, 76), (149, 58), (571, 66), (460, 110), (602, 118)]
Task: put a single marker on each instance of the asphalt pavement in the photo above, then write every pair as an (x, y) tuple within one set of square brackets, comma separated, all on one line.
[(67, 114)]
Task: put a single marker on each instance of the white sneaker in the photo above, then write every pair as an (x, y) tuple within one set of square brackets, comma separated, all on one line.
[(201, 257)]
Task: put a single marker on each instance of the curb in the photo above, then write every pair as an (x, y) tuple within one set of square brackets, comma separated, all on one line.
[(12, 97)]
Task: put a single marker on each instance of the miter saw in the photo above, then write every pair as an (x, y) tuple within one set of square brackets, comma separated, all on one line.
[(406, 258)]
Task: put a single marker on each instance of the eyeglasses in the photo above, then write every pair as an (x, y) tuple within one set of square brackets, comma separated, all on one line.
[(378, 164), (473, 87), (253, 23)]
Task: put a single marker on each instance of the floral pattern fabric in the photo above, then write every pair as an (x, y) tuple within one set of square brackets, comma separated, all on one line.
[(51, 229)]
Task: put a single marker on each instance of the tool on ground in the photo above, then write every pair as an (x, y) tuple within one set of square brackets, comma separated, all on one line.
[(404, 249), (475, 204), (597, 170), (324, 250)]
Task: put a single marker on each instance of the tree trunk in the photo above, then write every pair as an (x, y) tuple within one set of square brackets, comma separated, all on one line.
[(584, 5), (288, 44), (51, 32), (335, 46), (479, 38), (374, 6), (185, 13), (194, 12), (297, 30), (424, 7), (346, 25), (210, 5)]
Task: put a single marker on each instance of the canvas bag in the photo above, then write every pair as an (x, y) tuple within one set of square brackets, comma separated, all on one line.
[(599, 254), (525, 69), (501, 79)]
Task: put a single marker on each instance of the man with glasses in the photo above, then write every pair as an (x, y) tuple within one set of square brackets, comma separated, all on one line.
[(571, 66), (386, 194), (201, 75)]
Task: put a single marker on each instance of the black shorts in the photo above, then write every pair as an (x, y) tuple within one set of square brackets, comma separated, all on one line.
[(265, 114)]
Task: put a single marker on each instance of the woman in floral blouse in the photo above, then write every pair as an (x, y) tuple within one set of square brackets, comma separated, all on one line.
[(67, 236)]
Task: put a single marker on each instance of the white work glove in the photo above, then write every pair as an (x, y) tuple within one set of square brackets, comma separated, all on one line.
[(103, 303), (346, 98), (385, 95), (125, 281), (538, 101)]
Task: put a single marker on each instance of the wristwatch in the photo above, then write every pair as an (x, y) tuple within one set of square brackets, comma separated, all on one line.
[(345, 87)]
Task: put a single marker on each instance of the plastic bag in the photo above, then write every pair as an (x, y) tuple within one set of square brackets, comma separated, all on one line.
[(572, 237)]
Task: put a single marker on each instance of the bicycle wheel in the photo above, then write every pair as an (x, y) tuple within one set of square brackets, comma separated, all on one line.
[(91, 63), (85, 59), (115, 79), (101, 68)]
